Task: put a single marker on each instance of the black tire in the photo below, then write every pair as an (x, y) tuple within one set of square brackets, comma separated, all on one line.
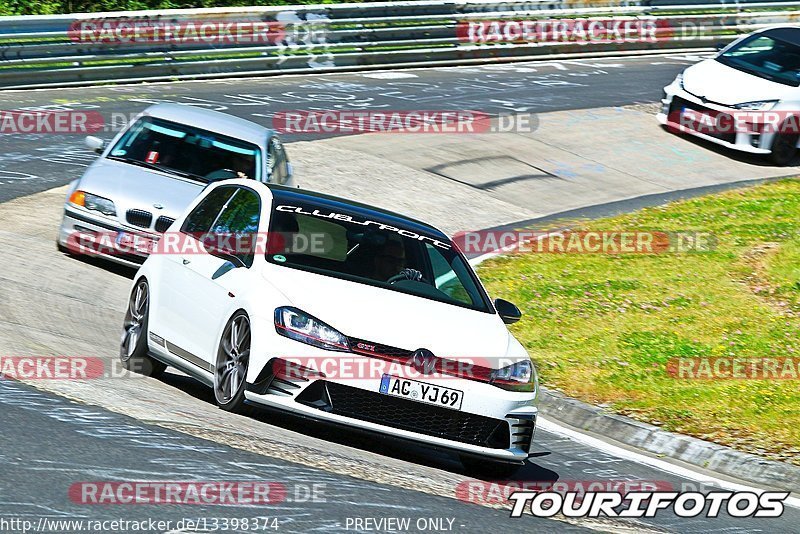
[(489, 469), (784, 148), (233, 359), (133, 352)]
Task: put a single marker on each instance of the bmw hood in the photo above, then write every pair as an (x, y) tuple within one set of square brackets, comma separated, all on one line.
[(716, 82), (131, 187), (393, 318)]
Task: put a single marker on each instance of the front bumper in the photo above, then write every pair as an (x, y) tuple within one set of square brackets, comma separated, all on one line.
[(79, 227), (493, 423), (676, 99)]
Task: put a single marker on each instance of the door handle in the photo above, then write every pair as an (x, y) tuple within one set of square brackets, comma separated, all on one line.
[(186, 262)]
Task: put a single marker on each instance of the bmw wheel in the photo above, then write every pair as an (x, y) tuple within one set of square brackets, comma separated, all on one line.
[(233, 357), (133, 348)]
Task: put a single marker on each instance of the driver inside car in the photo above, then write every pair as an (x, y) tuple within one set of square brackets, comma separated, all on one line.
[(239, 166), (389, 260)]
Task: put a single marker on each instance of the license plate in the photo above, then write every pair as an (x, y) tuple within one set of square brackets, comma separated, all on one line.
[(135, 243), (699, 118), (421, 392)]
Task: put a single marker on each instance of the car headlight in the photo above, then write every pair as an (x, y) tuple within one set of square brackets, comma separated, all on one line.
[(760, 105), (93, 202), (679, 80), (300, 326), (520, 376)]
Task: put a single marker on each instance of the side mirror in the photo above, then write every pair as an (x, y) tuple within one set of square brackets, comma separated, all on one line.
[(719, 46), (508, 312), (225, 254), (94, 144)]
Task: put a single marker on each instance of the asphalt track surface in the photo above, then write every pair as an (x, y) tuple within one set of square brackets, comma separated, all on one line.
[(35, 162), (49, 443)]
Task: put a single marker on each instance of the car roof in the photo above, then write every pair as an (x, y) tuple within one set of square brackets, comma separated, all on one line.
[(289, 194), (294, 194), (790, 34), (214, 121)]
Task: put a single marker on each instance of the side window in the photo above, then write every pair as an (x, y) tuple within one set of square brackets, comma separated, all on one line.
[(239, 219), (206, 212), (756, 46), (278, 162), (446, 279)]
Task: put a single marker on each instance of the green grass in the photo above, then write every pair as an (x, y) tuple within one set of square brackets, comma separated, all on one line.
[(602, 328)]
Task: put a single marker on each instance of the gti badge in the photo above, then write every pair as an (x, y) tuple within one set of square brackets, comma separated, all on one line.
[(423, 361)]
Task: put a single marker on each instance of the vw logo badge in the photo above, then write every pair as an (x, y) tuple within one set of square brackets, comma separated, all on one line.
[(423, 361), (158, 206)]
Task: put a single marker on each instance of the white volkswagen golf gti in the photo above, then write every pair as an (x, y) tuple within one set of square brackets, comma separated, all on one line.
[(746, 98), (339, 311)]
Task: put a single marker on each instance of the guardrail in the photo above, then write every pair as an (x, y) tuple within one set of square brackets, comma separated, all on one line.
[(80, 49)]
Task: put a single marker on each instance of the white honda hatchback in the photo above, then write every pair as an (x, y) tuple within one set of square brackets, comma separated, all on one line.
[(746, 98), (339, 311)]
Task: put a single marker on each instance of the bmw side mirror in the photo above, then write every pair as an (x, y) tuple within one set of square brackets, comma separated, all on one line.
[(508, 312), (94, 144)]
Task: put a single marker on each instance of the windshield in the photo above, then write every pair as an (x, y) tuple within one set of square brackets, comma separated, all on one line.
[(766, 57), (360, 247), (186, 151)]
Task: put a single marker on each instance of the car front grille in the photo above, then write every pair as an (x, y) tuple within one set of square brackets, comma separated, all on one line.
[(140, 218), (679, 104), (461, 368), (408, 415), (163, 223)]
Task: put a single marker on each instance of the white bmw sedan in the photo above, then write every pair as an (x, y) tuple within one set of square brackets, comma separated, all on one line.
[(338, 311), (746, 98), (150, 172)]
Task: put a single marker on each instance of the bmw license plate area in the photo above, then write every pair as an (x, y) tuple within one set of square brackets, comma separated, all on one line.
[(697, 120), (421, 392)]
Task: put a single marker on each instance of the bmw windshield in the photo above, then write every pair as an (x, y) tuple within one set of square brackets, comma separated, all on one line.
[(368, 248), (767, 56), (185, 151)]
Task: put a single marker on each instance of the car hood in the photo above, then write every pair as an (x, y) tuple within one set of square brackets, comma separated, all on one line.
[(393, 318), (719, 83), (131, 187)]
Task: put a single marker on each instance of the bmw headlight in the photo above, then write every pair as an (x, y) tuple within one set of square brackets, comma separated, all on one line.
[(520, 376), (759, 105), (300, 326), (93, 202)]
